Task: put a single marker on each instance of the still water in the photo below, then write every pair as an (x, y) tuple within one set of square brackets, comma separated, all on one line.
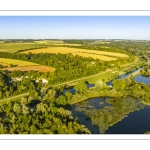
[(113, 116), (144, 79)]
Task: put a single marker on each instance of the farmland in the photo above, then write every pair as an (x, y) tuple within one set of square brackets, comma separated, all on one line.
[(35, 68), (101, 55), (23, 65), (14, 47), (7, 62)]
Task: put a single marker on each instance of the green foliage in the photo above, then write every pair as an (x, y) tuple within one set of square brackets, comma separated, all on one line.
[(1, 66), (61, 100), (38, 118), (68, 97), (99, 85), (119, 84), (80, 87)]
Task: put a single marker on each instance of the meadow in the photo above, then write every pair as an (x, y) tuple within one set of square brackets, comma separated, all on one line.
[(101, 55)]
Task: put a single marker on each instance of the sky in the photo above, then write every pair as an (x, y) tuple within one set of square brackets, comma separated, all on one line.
[(75, 27)]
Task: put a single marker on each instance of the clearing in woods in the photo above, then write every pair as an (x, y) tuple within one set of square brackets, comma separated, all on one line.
[(102, 55)]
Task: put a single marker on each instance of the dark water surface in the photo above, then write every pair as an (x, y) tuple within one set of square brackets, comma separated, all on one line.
[(123, 116), (136, 123)]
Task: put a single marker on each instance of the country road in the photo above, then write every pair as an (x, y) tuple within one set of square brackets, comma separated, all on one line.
[(25, 94), (79, 79), (13, 97)]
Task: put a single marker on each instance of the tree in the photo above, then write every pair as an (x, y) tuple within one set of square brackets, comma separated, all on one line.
[(100, 85), (1, 66), (127, 81), (11, 65), (68, 96), (119, 84), (17, 108), (1, 94), (80, 87), (61, 100), (25, 109)]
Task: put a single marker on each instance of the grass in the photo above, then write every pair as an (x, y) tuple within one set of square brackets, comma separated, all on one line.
[(81, 52), (106, 76)]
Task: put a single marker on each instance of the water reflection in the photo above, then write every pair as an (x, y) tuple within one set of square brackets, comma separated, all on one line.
[(104, 112)]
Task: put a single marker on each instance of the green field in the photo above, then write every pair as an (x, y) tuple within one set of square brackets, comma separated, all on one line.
[(14, 47), (106, 76)]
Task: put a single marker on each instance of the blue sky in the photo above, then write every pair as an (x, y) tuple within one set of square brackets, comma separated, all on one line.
[(75, 27)]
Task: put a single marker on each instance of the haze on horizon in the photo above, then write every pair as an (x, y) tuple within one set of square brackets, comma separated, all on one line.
[(75, 27)]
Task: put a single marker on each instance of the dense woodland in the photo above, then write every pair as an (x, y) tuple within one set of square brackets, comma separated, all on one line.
[(9, 85), (44, 112), (33, 115)]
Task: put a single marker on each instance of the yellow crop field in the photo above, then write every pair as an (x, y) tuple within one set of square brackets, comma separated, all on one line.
[(7, 62), (81, 52), (62, 44), (101, 57), (23, 65), (28, 68)]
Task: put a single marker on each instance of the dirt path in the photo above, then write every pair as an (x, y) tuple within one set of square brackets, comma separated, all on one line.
[(135, 61), (25, 94)]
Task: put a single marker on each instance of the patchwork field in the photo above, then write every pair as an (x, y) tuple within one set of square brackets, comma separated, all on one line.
[(102, 55), (23, 65)]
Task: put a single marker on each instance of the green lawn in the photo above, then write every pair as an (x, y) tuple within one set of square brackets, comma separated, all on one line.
[(106, 76)]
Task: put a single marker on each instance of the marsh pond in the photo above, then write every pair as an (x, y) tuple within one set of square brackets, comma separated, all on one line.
[(106, 115)]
